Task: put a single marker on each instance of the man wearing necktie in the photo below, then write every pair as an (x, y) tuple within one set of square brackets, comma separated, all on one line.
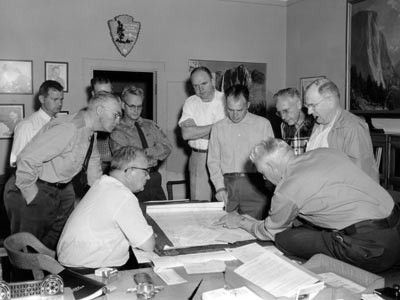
[(143, 134)]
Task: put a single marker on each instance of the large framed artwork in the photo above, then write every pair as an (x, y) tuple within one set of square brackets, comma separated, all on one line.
[(16, 76), (10, 115), (57, 71), (373, 57), (250, 74)]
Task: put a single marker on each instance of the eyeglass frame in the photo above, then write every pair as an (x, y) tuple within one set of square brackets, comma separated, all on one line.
[(117, 115), (133, 106), (314, 105), (146, 170)]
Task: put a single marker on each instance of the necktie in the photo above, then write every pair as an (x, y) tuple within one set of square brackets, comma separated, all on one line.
[(141, 135), (85, 164)]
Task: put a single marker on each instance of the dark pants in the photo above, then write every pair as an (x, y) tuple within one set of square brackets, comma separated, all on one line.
[(247, 194), (152, 189), (45, 216), (374, 250)]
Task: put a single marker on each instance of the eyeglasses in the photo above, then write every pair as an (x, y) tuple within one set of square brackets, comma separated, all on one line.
[(313, 105), (135, 107), (146, 170), (281, 113), (117, 115)]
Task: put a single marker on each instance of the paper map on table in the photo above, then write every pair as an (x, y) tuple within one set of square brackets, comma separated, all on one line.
[(190, 224)]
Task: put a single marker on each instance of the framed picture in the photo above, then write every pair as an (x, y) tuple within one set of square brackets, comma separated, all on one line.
[(228, 73), (10, 115), (16, 76), (373, 58), (305, 82), (57, 71)]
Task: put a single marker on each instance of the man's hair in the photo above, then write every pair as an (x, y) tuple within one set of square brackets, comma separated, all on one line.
[(325, 87), (131, 90), (101, 79), (202, 68), (289, 92), (124, 156), (268, 147), (101, 98), (49, 85), (236, 91)]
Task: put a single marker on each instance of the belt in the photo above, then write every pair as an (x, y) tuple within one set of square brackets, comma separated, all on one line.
[(365, 226), (57, 185), (238, 174), (199, 150)]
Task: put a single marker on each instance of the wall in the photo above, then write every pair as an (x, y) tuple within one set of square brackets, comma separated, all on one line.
[(316, 41), (173, 31)]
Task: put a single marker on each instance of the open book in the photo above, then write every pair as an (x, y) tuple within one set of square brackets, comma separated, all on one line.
[(83, 288)]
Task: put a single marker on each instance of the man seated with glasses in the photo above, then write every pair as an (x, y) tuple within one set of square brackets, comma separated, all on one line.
[(296, 126), (108, 220), (143, 134), (337, 128)]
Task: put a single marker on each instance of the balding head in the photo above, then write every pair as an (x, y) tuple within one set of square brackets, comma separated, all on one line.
[(104, 109)]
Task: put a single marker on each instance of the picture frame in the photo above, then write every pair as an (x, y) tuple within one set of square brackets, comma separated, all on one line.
[(10, 115), (58, 71), (16, 76), (226, 73), (372, 68), (305, 82)]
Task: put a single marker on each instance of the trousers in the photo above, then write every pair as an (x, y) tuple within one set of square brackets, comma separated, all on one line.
[(45, 216), (200, 184), (375, 250)]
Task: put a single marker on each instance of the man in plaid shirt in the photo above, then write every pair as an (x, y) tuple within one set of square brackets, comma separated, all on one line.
[(297, 125)]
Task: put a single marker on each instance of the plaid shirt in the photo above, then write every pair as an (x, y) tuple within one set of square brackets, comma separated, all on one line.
[(297, 138)]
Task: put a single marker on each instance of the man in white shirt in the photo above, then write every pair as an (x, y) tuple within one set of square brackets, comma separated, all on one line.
[(199, 113), (51, 96), (108, 220), (337, 128)]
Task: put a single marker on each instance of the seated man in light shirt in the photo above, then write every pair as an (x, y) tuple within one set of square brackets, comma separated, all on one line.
[(345, 214), (337, 128), (51, 96), (108, 219)]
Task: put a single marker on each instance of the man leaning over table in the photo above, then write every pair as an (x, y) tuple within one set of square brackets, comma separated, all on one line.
[(345, 213), (108, 219), (40, 197)]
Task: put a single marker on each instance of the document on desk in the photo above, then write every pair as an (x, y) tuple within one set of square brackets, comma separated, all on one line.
[(250, 251), (275, 275), (190, 224)]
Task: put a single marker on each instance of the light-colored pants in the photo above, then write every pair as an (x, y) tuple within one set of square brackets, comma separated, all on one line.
[(200, 185)]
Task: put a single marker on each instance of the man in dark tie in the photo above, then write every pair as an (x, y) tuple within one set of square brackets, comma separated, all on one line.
[(143, 134)]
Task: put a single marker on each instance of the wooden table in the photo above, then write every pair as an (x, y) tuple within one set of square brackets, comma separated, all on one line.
[(124, 280)]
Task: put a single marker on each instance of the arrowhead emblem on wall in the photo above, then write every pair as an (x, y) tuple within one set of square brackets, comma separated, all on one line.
[(124, 33)]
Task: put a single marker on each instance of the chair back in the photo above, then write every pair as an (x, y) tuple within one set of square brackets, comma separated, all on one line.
[(19, 248)]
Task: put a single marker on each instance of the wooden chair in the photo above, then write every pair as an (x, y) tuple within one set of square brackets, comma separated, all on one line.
[(170, 185), (19, 248)]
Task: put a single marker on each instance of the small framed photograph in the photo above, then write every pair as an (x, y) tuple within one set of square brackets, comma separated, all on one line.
[(62, 113), (57, 71), (305, 82), (16, 76), (10, 115)]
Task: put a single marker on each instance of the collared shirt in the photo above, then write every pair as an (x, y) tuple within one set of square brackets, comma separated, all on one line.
[(231, 144), (297, 137), (203, 113), (105, 223), (325, 189), (319, 136), (25, 131), (57, 152), (126, 134), (350, 134)]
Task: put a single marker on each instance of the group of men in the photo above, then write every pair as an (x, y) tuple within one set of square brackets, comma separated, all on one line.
[(315, 191)]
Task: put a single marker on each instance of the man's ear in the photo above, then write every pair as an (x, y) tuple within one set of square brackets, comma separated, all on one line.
[(41, 98), (100, 110), (299, 104)]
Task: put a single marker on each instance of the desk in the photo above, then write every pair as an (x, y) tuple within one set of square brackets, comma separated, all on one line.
[(124, 280)]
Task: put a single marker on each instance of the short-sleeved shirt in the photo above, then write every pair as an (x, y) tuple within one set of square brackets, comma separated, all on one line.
[(203, 113), (102, 227)]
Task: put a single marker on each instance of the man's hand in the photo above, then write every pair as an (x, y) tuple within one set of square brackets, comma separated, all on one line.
[(188, 123), (222, 195), (231, 220), (30, 193)]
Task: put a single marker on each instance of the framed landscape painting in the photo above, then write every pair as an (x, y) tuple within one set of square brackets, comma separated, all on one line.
[(16, 76), (10, 115), (373, 60)]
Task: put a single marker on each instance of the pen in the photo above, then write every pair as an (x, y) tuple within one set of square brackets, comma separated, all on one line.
[(195, 290)]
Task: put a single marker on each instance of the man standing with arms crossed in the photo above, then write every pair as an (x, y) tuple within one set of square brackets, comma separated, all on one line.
[(200, 112)]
